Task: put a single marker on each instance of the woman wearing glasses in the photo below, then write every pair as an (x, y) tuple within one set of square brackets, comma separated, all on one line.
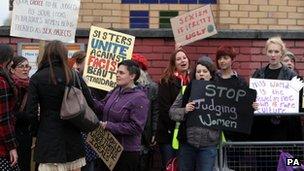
[(20, 75)]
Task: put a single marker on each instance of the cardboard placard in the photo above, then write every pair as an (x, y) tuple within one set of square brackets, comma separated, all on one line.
[(275, 96), (221, 107), (45, 19), (5, 13), (106, 146), (106, 48), (194, 25), (31, 52)]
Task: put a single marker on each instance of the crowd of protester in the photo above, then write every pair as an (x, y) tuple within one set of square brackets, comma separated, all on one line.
[(140, 113)]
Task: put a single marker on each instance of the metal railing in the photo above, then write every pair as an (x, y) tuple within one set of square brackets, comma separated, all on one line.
[(256, 156)]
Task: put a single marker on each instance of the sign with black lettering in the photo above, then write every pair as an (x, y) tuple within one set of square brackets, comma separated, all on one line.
[(106, 48), (106, 146), (45, 19), (221, 107)]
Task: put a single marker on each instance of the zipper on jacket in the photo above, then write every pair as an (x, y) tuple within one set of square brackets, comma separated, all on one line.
[(114, 101)]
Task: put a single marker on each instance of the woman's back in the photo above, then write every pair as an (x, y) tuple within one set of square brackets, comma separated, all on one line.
[(58, 141)]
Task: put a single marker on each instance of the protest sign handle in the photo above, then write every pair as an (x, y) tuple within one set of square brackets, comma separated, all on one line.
[(41, 50)]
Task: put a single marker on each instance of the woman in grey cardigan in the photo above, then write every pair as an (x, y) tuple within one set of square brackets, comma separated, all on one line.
[(197, 145)]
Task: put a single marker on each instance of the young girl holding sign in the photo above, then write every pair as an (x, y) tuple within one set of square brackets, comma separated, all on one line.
[(197, 151)]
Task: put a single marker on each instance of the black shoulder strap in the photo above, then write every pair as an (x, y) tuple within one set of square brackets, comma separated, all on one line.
[(76, 79)]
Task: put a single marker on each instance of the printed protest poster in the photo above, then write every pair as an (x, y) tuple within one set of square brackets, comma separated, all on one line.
[(221, 106), (106, 48), (106, 146), (31, 52), (194, 25), (275, 96), (45, 19), (5, 13)]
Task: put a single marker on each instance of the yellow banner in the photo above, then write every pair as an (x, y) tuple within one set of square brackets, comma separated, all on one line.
[(106, 48)]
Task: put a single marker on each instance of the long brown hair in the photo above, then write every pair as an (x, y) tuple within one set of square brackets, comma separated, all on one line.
[(171, 68), (56, 50)]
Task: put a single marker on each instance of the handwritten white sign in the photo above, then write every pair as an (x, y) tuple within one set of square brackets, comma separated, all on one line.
[(45, 19), (4, 13), (275, 96), (193, 26)]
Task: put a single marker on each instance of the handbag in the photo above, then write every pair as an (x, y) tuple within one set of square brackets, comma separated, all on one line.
[(172, 165), (75, 109)]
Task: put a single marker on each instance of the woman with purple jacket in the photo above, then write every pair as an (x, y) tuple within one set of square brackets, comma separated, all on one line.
[(125, 112)]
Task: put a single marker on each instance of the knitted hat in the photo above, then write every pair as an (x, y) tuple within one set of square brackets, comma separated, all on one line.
[(205, 59), (140, 60)]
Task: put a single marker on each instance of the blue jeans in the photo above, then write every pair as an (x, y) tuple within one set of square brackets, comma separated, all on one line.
[(196, 159), (166, 152)]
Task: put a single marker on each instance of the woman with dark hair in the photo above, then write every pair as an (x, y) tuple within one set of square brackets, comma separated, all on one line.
[(59, 145), (20, 74), (197, 145), (125, 111), (174, 77), (8, 94), (225, 55)]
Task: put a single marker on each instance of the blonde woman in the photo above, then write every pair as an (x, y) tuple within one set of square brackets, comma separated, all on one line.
[(275, 128)]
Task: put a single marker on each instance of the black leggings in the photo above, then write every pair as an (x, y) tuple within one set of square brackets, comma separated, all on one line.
[(128, 161)]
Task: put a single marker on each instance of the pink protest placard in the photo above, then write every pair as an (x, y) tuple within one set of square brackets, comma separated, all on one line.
[(194, 25)]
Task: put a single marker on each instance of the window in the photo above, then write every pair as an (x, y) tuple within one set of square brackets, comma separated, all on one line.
[(139, 19), (164, 18)]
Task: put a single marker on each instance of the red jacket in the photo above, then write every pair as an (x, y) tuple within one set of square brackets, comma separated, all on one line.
[(7, 117)]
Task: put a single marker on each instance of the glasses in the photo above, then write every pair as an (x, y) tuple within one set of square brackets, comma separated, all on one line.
[(24, 67)]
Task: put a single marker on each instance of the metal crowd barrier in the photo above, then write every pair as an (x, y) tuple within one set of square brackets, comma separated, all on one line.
[(256, 156)]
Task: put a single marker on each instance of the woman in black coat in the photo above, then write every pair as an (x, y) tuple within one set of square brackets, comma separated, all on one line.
[(20, 74), (173, 79), (59, 143)]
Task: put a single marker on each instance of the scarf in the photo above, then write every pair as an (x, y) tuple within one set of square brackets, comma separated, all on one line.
[(21, 83), (184, 78)]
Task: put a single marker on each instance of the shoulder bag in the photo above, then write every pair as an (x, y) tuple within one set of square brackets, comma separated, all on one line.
[(75, 109)]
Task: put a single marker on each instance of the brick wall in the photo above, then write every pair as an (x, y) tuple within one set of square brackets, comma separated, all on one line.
[(229, 14), (157, 50), (251, 53)]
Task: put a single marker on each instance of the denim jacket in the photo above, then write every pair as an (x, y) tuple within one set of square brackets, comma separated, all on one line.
[(125, 112)]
